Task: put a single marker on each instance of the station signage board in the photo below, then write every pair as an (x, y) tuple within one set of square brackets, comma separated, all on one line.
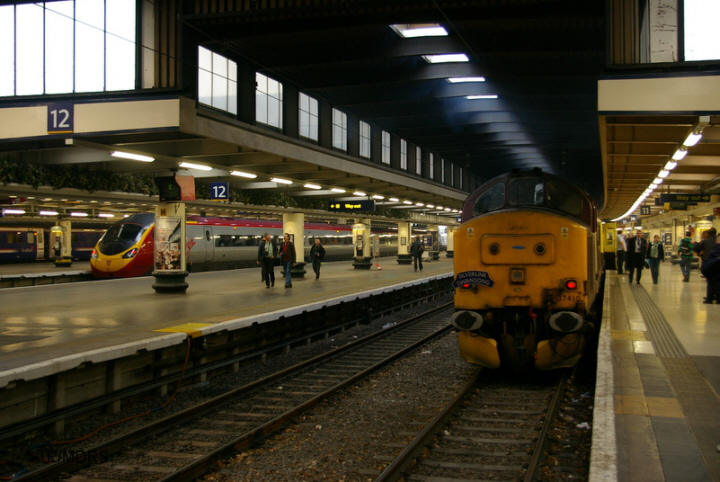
[(352, 206), (684, 198), (219, 191)]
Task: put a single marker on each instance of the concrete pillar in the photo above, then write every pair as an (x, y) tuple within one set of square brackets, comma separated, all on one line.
[(294, 225), (361, 241), (62, 239), (404, 242), (450, 243), (434, 248)]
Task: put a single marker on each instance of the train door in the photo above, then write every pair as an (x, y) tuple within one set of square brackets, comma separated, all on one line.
[(209, 241), (40, 243)]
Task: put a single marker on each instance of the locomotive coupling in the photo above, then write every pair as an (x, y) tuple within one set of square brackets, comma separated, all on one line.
[(466, 320), (566, 322)]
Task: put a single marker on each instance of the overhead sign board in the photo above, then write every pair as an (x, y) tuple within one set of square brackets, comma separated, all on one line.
[(354, 206), (219, 191), (684, 198)]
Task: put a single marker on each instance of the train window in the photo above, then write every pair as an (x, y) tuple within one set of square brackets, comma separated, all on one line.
[(526, 191), (491, 200), (560, 197)]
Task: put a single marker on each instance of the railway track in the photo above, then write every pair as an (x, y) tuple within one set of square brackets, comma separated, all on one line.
[(185, 445), (490, 431)]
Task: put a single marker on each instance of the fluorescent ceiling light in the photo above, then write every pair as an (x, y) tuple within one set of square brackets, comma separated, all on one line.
[(419, 30), (13, 211), (455, 210), (312, 186), (79, 215), (658, 180), (407, 202), (692, 139), (456, 80), (447, 209), (670, 165), (664, 173), (199, 167), (134, 157), (394, 199), (440, 208), (48, 213), (431, 206), (477, 97), (377, 196), (280, 180), (420, 204), (243, 174), (106, 215), (680, 154), (337, 190), (359, 193), (437, 59)]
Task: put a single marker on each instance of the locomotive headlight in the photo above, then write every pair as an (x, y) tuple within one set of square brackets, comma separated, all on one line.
[(540, 249), (517, 275), (494, 248), (130, 254)]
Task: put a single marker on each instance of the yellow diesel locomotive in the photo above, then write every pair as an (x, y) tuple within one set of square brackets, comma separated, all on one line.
[(527, 268)]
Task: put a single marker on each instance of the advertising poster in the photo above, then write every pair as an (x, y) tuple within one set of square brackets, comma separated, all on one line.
[(167, 243)]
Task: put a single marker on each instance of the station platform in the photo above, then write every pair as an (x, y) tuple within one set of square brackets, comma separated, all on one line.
[(657, 412), (56, 327)]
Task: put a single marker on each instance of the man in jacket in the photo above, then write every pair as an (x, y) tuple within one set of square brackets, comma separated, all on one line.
[(267, 253), (636, 247), (685, 253), (287, 258), (711, 270), (416, 249), (703, 249), (317, 255)]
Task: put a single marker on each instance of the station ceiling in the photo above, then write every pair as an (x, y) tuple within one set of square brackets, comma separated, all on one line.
[(541, 58)]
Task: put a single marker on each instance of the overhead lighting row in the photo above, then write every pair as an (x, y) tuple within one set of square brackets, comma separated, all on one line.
[(691, 139), (49, 212)]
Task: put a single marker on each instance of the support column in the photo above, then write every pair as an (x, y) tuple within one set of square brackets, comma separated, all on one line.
[(361, 240), (434, 248), (62, 243), (294, 225), (170, 249), (404, 242), (450, 243)]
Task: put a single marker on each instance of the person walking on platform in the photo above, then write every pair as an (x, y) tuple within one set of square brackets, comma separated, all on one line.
[(620, 251), (685, 252), (317, 255), (711, 270), (636, 248), (655, 255), (703, 249), (416, 249), (267, 252), (287, 257)]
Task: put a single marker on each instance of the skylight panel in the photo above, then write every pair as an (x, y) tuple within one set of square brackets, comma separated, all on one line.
[(419, 30), (436, 59)]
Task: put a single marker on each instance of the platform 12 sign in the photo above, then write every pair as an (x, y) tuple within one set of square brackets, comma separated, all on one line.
[(219, 191), (60, 118)]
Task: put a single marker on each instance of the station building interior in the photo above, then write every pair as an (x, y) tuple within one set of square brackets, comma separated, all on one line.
[(412, 105)]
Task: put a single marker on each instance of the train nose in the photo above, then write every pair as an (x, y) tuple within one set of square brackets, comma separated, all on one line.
[(466, 320)]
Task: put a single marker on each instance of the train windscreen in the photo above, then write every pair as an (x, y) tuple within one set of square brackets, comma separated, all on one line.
[(120, 237)]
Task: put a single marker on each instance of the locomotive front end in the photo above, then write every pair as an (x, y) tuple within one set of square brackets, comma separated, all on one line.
[(520, 278)]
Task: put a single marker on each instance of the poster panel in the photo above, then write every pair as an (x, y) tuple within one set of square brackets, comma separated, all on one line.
[(167, 243)]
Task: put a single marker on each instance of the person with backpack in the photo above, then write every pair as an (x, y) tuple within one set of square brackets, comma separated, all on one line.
[(685, 253)]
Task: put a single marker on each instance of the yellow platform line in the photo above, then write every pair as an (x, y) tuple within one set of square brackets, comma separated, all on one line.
[(648, 406), (192, 329)]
